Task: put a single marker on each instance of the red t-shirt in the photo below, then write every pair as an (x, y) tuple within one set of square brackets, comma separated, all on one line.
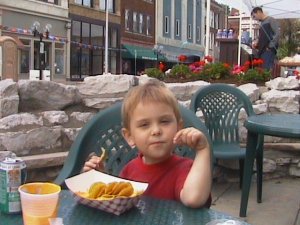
[(165, 180)]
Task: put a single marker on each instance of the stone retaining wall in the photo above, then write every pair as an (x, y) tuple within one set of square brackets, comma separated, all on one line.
[(39, 120)]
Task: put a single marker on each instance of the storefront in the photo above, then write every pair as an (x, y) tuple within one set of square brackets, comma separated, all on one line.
[(54, 43), (136, 59), (88, 48)]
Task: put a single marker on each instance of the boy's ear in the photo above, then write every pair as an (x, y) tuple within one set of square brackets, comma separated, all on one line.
[(127, 135)]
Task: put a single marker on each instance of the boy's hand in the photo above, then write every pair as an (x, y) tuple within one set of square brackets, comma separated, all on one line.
[(191, 137), (94, 162)]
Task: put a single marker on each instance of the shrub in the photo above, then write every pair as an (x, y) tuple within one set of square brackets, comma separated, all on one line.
[(216, 70), (155, 73), (180, 71), (251, 71), (256, 74)]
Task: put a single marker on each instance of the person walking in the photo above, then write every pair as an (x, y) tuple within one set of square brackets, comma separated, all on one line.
[(267, 43)]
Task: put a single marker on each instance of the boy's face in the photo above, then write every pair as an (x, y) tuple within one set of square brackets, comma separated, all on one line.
[(152, 128)]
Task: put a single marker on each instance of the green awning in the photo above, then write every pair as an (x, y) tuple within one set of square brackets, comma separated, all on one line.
[(133, 51)]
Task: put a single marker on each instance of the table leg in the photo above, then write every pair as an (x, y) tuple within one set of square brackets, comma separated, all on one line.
[(252, 139)]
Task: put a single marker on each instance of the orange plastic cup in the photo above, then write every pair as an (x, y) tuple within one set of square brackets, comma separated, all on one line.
[(39, 202)]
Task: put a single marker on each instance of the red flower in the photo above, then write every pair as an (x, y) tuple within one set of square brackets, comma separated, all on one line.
[(257, 62), (238, 70), (208, 58), (260, 61), (196, 67), (226, 65), (202, 63), (182, 58), (196, 64), (247, 63)]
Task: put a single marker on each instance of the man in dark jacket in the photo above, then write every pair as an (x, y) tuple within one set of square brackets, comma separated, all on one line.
[(267, 44)]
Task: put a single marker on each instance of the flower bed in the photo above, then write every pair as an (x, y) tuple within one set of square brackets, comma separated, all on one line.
[(213, 72)]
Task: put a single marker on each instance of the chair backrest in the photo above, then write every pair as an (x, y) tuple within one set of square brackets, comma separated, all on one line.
[(221, 105), (104, 130)]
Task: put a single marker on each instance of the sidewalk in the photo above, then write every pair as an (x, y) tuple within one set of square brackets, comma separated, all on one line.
[(280, 201)]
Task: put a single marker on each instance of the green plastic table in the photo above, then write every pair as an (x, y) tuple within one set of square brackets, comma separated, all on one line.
[(148, 212), (280, 125)]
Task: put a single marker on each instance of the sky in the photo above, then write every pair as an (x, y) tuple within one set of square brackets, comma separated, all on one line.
[(238, 4)]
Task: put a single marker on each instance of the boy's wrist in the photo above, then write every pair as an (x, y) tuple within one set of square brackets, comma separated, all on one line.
[(202, 147)]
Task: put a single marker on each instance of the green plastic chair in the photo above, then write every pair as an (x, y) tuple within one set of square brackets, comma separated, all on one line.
[(221, 105), (104, 130)]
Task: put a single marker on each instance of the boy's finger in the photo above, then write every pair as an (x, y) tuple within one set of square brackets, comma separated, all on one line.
[(180, 136)]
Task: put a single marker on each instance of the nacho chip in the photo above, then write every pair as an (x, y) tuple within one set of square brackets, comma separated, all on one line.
[(96, 190), (119, 187), (102, 191), (126, 192), (83, 194), (109, 188), (106, 197)]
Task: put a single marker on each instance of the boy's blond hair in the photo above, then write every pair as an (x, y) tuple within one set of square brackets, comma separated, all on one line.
[(152, 91)]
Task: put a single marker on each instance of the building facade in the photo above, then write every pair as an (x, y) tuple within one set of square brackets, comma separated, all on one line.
[(217, 20), (138, 36), (67, 38), (180, 29), (87, 56), (48, 49)]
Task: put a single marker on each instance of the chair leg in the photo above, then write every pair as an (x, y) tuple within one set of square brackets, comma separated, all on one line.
[(259, 166), (241, 167), (248, 171)]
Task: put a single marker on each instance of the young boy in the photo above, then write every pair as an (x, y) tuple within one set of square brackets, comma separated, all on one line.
[(153, 124)]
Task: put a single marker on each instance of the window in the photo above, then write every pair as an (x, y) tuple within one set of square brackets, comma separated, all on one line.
[(59, 59), (177, 27), (50, 1), (217, 21), (75, 50), (87, 50), (25, 57), (127, 19), (166, 24), (97, 35), (114, 38), (85, 33), (113, 62), (198, 34), (141, 23), (98, 41), (211, 40), (85, 54), (135, 24), (189, 31), (212, 19), (148, 31), (110, 3), (88, 3)]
